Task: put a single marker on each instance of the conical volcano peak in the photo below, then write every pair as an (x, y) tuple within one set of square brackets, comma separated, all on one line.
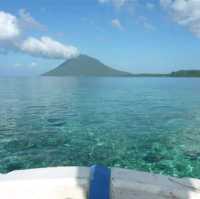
[(84, 65)]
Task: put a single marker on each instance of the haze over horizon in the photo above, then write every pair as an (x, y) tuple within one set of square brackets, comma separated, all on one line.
[(136, 36)]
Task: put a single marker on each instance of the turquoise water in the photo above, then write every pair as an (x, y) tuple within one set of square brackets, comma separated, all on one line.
[(150, 124)]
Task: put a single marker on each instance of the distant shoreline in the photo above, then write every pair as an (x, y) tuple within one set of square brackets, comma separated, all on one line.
[(180, 73)]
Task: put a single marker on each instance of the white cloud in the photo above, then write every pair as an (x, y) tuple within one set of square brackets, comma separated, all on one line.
[(8, 26), (103, 1), (144, 21), (26, 20), (117, 24), (150, 5), (185, 13), (11, 39), (47, 48), (165, 3), (31, 64), (18, 65), (116, 3)]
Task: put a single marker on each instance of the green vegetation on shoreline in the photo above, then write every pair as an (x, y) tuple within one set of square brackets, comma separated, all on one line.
[(186, 73), (180, 73)]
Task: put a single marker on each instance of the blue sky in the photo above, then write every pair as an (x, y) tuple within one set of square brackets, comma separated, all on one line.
[(132, 35)]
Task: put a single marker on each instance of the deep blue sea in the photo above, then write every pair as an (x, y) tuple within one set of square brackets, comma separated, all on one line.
[(149, 124)]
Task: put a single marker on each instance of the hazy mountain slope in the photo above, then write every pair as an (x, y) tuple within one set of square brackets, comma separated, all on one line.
[(84, 65)]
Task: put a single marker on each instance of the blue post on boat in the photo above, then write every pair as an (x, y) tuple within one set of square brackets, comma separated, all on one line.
[(99, 182)]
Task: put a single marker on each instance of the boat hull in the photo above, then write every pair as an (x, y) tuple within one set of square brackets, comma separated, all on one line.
[(73, 183)]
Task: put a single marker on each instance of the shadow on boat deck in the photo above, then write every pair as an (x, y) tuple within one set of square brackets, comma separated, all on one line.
[(128, 184)]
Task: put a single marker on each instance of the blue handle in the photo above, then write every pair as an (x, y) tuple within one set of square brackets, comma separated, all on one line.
[(99, 182)]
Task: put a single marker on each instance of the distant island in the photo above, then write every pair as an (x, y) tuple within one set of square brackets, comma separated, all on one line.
[(84, 65)]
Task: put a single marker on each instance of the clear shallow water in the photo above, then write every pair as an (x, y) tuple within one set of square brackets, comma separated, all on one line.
[(150, 124)]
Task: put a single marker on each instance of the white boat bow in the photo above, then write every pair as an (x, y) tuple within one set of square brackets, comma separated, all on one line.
[(74, 183)]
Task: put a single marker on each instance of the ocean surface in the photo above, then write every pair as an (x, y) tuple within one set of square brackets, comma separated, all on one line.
[(149, 124)]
